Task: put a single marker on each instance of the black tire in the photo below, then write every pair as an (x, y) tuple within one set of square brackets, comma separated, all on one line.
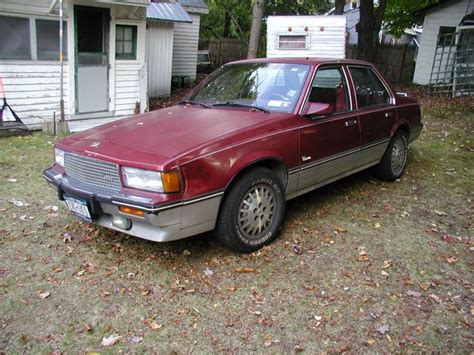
[(257, 198), (393, 162)]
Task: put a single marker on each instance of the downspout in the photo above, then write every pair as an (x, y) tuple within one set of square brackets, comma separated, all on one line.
[(61, 60)]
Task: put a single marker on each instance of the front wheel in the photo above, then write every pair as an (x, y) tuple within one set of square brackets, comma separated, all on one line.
[(393, 162), (252, 211)]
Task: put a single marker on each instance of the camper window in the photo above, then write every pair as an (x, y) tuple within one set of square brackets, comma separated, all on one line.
[(292, 42)]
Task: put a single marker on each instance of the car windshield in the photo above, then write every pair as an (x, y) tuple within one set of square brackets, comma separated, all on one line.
[(265, 86)]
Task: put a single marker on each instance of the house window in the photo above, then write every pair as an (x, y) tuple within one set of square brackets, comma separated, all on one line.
[(291, 42), (15, 38), (126, 42), (446, 35), (47, 39), (16, 43)]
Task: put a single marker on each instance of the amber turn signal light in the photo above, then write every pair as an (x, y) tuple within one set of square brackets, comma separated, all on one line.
[(132, 211), (170, 181)]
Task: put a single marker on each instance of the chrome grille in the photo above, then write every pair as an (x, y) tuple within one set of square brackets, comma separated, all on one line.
[(92, 172)]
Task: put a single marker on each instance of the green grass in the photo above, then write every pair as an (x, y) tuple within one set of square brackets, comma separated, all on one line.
[(116, 284)]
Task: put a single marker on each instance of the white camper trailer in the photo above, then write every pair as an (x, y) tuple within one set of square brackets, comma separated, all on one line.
[(306, 36)]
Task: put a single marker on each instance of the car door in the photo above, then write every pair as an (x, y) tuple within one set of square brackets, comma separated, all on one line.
[(376, 113), (328, 145)]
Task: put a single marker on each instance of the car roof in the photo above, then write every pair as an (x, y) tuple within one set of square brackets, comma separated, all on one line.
[(304, 60)]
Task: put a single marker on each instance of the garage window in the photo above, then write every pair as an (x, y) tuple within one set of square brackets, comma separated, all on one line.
[(15, 38), (126, 42)]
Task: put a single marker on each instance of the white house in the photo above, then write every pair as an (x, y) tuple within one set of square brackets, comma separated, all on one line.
[(104, 69), (186, 38), (352, 14), (441, 18), (162, 17)]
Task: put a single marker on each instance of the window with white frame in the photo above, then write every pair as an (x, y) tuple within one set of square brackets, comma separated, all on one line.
[(16, 38), (15, 41), (292, 42), (47, 39)]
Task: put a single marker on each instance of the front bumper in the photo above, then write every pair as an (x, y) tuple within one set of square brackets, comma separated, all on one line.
[(160, 223)]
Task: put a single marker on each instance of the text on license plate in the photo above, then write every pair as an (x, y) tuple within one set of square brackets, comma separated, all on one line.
[(78, 207)]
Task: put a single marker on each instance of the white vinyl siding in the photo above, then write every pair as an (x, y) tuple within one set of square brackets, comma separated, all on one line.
[(159, 58), (443, 15), (325, 36), (127, 87), (32, 89), (186, 38)]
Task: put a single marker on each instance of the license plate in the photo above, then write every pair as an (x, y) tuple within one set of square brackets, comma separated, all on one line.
[(78, 207)]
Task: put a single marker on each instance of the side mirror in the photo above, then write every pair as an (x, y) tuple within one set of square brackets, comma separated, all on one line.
[(317, 109)]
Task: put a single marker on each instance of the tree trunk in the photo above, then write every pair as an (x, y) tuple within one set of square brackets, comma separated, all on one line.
[(368, 29), (226, 31), (339, 7), (257, 15)]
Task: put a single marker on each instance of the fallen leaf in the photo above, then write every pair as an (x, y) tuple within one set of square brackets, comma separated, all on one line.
[(407, 282), (110, 340), (383, 329), (298, 349), (12, 180), (136, 339), (340, 230), (186, 252), (377, 225), (440, 213), (208, 272), (155, 326), (67, 238), (435, 298), (424, 287), (297, 249), (318, 318), (87, 327), (370, 341), (414, 293), (245, 270), (451, 260), (44, 295), (386, 264), (384, 273)]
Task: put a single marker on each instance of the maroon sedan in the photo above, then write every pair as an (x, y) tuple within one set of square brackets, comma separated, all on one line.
[(253, 135)]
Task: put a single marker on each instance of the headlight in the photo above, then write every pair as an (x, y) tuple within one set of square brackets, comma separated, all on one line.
[(151, 180), (59, 156)]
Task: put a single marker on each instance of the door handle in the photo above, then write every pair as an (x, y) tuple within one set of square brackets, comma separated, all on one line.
[(389, 114), (350, 123)]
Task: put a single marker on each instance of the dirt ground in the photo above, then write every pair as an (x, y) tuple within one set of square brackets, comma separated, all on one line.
[(361, 265)]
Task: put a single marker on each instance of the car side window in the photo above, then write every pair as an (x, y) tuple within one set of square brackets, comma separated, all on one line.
[(369, 89), (329, 87)]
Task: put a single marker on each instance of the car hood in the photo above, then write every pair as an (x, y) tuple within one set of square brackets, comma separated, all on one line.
[(173, 131)]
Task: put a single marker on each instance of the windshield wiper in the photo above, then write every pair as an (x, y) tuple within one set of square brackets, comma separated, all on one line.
[(237, 104), (191, 102)]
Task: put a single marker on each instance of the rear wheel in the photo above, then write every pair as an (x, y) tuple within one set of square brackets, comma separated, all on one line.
[(252, 211), (394, 160)]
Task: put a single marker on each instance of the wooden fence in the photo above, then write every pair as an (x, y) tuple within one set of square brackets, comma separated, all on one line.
[(396, 62), (226, 50)]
